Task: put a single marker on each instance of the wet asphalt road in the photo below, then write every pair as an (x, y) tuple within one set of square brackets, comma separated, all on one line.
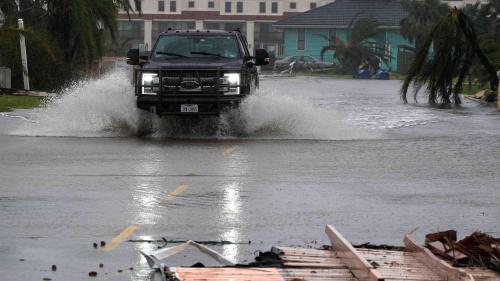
[(346, 153)]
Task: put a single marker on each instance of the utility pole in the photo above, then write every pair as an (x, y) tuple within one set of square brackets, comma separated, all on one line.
[(24, 57)]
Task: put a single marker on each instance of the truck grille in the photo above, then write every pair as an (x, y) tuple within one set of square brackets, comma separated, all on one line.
[(190, 81)]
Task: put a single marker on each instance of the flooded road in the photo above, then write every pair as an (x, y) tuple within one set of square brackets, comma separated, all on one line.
[(310, 152)]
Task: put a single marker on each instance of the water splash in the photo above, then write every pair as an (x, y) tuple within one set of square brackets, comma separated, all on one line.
[(106, 108), (89, 108), (270, 113)]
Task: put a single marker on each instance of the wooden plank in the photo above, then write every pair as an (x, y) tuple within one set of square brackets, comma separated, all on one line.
[(353, 260), (446, 271), (313, 264), (312, 259), (260, 274), (393, 260), (288, 251), (311, 272), (316, 274), (228, 273)]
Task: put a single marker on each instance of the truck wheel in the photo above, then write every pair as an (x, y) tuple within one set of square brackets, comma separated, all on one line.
[(232, 123), (145, 123)]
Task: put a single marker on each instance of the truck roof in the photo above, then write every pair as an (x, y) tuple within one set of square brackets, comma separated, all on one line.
[(195, 31)]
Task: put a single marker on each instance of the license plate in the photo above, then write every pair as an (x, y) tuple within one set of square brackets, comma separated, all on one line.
[(189, 108)]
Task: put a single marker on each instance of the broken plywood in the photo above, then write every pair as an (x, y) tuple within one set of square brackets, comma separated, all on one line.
[(260, 274), (308, 258), (398, 265)]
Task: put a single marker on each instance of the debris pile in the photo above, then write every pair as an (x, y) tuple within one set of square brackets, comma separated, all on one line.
[(484, 96), (477, 249)]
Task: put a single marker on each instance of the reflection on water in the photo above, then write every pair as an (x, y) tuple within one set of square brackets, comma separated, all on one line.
[(146, 197), (147, 194), (231, 214), (144, 272)]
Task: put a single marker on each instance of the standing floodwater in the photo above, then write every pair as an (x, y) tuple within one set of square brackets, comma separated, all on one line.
[(305, 152), (106, 107)]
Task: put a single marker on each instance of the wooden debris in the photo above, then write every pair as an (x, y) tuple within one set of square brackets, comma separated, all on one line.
[(342, 262), (477, 249), (435, 264), (358, 265)]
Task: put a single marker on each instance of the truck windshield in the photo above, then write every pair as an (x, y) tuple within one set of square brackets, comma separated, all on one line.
[(187, 46)]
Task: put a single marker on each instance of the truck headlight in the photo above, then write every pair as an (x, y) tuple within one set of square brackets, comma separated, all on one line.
[(150, 82), (233, 80)]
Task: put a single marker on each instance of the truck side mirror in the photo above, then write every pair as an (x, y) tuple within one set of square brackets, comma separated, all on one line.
[(261, 57), (144, 55), (133, 57)]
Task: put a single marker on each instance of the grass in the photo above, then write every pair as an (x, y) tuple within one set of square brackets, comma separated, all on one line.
[(9, 103)]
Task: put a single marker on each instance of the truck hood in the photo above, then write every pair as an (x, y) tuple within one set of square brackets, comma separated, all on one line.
[(194, 63)]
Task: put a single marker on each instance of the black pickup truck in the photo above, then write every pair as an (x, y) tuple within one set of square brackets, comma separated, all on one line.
[(195, 72)]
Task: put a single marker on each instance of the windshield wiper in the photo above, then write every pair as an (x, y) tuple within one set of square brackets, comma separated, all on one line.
[(172, 54), (208, 54)]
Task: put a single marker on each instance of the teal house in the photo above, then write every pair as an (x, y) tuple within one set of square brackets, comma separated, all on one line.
[(301, 33)]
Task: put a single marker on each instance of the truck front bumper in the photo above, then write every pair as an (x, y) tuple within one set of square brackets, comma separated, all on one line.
[(203, 104)]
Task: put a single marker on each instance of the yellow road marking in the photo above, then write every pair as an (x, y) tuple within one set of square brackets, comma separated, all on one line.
[(120, 238), (131, 229), (180, 189), (228, 151)]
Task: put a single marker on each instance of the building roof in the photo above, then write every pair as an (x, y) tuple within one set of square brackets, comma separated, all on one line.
[(340, 13)]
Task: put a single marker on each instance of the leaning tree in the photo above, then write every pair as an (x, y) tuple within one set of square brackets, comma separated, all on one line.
[(444, 60), (421, 19)]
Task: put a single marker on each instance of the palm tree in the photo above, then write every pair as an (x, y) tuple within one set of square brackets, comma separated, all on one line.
[(454, 43), (422, 17), (487, 25), (359, 49), (77, 26)]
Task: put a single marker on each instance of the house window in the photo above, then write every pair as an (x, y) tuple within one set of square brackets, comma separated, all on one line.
[(239, 7), (173, 6), (301, 39), (274, 7), (293, 5), (228, 7), (211, 4), (262, 7), (161, 6), (191, 4), (313, 5)]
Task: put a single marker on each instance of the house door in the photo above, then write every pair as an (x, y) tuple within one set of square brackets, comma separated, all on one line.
[(405, 58)]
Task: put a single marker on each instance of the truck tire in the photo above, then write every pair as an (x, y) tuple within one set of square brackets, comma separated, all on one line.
[(145, 123)]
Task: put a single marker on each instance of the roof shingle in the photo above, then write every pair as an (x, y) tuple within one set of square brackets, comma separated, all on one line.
[(341, 12)]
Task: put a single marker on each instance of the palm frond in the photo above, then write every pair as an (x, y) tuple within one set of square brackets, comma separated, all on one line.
[(454, 44)]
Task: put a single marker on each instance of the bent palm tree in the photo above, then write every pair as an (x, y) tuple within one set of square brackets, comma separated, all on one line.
[(359, 49), (422, 17), (454, 43)]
